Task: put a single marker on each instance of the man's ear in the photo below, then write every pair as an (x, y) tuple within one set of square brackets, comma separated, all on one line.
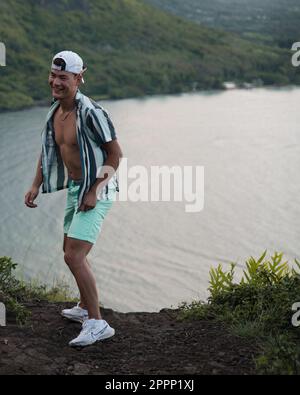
[(78, 78)]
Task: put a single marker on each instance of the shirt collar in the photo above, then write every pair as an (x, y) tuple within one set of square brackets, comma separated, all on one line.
[(52, 109), (78, 98)]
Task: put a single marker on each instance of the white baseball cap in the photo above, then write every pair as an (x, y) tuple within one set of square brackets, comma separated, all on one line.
[(73, 63)]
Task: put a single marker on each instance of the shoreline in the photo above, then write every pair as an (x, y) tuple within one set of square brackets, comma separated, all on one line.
[(47, 102)]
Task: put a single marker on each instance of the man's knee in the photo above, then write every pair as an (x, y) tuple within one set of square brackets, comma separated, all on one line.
[(74, 259), (76, 252)]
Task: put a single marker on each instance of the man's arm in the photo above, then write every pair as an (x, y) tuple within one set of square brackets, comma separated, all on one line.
[(38, 180), (114, 154), (33, 192), (105, 136)]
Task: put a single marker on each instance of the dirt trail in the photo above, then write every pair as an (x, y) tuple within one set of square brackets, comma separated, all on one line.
[(144, 343)]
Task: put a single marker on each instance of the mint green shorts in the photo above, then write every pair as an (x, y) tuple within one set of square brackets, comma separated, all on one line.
[(84, 225)]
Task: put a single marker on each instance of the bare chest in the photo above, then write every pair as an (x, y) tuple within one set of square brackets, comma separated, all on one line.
[(65, 130)]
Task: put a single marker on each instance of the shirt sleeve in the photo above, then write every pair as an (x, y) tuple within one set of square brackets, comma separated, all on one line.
[(101, 126)]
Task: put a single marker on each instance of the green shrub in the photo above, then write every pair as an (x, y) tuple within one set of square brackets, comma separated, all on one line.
[(258, 307), (15, 292)]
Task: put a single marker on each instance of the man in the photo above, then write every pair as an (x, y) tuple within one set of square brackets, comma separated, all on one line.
[(80, 152)]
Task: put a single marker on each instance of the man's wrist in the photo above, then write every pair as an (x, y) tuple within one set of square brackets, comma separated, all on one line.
[(34, 185), (96, 185), (93, 190)]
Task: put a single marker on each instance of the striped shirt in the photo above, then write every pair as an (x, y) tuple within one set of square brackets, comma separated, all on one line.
[(93, 128)]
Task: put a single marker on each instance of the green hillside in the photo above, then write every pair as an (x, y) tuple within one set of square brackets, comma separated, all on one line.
[(275, 22), (131, 49)]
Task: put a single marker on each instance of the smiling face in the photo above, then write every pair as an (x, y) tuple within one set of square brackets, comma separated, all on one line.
[(63, 84)]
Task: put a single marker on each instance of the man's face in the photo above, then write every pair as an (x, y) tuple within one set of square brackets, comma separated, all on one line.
[(63, 84)]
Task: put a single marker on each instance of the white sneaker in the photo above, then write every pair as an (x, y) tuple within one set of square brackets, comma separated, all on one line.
[(76, 314), (92, 331)]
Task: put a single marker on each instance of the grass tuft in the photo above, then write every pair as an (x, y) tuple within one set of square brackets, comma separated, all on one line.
[(14, 292)]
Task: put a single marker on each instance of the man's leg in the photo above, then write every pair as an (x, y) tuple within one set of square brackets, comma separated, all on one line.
[(76, 252), (82, 303)]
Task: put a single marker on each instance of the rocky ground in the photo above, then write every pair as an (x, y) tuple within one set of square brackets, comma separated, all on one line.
[(144, 343)]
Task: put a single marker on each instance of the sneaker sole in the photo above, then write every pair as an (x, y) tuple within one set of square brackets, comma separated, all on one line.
[(73, 318), (107, 336)]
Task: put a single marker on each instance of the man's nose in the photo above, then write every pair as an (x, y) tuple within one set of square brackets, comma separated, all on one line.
[(56, 82)]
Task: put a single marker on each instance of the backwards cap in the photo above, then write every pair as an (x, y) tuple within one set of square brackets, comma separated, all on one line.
[(73, 62)]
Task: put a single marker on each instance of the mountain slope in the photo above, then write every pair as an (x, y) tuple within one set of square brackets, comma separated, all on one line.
[(271, 21), (131, 49)]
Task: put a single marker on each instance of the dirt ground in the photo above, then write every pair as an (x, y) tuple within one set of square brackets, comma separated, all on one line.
[(144, 343)]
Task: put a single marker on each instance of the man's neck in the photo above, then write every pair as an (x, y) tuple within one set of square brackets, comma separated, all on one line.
[(67, 104)]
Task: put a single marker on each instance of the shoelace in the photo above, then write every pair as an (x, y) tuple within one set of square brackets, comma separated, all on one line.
[(86, 327)]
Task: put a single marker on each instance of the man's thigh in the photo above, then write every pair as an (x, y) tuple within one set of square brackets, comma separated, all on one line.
[(87, 225), (80, 247)]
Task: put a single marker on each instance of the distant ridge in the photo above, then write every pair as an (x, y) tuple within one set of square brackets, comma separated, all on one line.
[(131, 48), (275, 22)]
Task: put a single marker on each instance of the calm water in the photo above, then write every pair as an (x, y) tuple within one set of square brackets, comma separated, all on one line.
[(152, 255)]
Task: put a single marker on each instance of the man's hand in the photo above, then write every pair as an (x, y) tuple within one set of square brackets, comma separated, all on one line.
[(30, 196), (89, 201)]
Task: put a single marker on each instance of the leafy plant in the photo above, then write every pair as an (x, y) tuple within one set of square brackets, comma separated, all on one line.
[(14, 292), (258, 307), (221, 281)]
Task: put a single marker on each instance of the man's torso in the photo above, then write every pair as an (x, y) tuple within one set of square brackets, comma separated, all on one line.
[(66, 140)]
